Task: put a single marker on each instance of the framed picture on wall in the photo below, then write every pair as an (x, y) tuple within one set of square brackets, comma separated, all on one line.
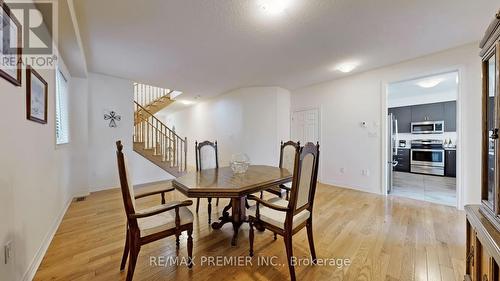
[(37, 93), (10, 46)]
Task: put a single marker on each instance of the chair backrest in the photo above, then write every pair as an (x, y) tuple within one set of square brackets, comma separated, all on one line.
[(288, 152), (207, 155), (305, 176), (125, 183)]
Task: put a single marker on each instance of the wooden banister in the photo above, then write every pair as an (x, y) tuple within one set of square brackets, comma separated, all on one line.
[(156, 140)]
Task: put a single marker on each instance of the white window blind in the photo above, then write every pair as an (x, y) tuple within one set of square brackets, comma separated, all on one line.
[(62, 123)]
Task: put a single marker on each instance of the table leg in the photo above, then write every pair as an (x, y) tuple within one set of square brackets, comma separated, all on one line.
[(225, 217), (239, 217), (226, 209)]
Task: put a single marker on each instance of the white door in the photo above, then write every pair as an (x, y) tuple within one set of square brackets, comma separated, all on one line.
[(305, 126)]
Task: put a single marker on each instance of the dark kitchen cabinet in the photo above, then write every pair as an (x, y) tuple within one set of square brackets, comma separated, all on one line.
[(443, 111), (403, 159), (403, 115), (450, 163), (450, 116), (427, 112)]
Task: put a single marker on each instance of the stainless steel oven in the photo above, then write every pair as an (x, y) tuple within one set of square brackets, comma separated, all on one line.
[(427, 157), (428, 127)]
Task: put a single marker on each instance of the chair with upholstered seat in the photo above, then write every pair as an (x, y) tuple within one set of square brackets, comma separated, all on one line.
[(288, 151), (151, 224), (288, 217), (207, 157)]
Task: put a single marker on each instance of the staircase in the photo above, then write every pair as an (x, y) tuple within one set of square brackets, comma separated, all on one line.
[(152, 138)]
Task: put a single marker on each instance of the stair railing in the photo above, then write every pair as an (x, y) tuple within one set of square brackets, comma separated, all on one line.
[(145, 95), (156, 136)]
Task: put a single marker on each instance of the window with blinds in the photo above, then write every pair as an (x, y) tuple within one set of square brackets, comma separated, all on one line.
[(62, 122)]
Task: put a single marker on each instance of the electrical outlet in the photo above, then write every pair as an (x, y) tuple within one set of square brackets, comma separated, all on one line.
[(365, 172), (342, 170), (8, 252)]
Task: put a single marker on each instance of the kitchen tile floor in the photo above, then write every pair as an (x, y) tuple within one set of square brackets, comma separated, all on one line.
[(436, 189)]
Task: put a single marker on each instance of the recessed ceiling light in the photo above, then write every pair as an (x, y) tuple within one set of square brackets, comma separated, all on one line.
[(274, 7), (346, 67), (429, 83)]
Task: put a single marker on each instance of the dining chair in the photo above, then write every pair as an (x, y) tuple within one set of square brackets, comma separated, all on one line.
[(288, 217), (207, 157), (288, 151), (150, 224)]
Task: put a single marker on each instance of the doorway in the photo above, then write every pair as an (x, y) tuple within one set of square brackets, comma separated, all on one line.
[(422, 133)]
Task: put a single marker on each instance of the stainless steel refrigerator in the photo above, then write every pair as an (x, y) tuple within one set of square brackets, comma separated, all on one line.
[(392, 148)]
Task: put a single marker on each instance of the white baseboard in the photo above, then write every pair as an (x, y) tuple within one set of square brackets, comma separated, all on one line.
[(353, 187), (37, 260)]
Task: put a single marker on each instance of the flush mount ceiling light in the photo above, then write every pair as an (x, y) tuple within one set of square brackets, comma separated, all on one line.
[(346, 67), (274, 7), (429, 83), (186, 102)]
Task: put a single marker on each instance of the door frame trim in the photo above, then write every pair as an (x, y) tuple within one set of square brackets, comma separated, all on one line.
[(384, 92)]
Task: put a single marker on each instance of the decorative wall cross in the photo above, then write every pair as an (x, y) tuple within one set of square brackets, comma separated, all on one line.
[(113, 117)]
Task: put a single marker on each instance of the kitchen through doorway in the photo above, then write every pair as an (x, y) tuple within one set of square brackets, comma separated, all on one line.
[(422, 138)]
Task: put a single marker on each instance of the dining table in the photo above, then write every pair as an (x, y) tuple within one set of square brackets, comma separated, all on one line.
[(222, 182)]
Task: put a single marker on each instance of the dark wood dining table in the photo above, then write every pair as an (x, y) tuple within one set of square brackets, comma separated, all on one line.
[(224, 183)]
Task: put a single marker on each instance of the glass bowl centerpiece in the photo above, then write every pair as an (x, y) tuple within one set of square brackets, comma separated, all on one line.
[(240, 163)]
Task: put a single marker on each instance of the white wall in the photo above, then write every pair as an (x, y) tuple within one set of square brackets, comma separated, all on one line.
[(347, 102), (78, 103), (111, 93), (248, 120), (36, 179)]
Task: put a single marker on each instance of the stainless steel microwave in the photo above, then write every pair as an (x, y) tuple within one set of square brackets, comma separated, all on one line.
[(427, 127)]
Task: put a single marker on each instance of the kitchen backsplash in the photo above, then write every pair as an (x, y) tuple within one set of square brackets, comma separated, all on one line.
[(444, 136)]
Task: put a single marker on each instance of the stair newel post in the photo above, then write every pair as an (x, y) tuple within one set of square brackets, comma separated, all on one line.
[(163, 145), (156, 136), (185, 153), (150, 135), (143, 127), (174, 163), (171, 149)]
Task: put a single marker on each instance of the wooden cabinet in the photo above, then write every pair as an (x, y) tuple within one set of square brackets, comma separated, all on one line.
[(483, 221), (450, 163), (481, 256), (490, 184)]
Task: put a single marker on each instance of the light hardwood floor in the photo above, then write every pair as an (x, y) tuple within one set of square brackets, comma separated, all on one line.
[(386, 238)]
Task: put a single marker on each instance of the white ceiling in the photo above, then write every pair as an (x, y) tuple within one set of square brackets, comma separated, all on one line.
[(68, 43), (411, 89), (207, 47)]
